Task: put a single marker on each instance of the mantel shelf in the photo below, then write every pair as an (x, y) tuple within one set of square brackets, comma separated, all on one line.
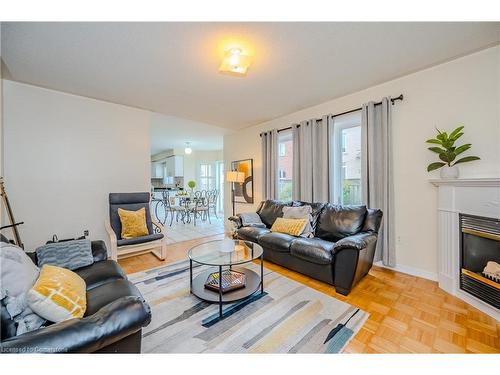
[(483, 181)]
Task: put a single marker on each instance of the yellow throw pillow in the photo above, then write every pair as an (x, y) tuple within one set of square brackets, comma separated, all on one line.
[(59, 294), (133, 223), (294, 227)]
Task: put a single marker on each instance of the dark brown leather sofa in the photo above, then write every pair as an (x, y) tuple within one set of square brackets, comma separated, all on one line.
[(341, 252)]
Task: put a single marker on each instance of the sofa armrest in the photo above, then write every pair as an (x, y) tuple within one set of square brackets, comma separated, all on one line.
[(358, 241), (236, 219), (99, 250), (110, 324)]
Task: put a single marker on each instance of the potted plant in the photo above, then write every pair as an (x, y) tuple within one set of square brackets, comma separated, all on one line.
[(448, 152), (192, 185)]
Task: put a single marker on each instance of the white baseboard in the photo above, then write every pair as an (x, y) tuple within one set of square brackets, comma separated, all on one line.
[(410, 271)]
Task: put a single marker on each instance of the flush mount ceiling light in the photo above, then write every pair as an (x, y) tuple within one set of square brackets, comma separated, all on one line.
[(235, 62), (188, 150)]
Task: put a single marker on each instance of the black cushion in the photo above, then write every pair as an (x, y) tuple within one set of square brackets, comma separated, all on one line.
[(271, 210), (314, 250), (130, 202), (336, 222), (372, 221), (279, 242), (106, 293), (252, 233), (138, 240), (100, 273)]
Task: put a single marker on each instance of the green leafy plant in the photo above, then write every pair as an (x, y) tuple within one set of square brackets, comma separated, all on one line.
[(192, 184), (447, 150)]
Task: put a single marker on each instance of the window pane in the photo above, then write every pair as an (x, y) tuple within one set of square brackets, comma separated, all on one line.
[(345, 146), (351, 165), (285, 166)]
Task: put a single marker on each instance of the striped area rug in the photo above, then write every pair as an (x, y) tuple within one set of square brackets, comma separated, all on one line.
[(288, 318)]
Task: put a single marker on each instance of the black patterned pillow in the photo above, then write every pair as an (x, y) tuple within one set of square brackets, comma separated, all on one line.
[(68, 254)]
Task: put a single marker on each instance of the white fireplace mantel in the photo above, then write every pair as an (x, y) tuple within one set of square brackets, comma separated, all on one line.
[(473, 196)]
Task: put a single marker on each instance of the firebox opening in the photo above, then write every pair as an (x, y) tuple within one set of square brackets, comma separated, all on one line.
[(480, 258)]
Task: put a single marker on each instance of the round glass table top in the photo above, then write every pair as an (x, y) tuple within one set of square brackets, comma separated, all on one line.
[(225, 252)]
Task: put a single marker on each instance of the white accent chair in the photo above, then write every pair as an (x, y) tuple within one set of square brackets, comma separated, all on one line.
[(154, 242)]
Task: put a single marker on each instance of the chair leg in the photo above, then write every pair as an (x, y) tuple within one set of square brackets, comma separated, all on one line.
[(163, 249), (215, 213), (114, 253), (207, 213)]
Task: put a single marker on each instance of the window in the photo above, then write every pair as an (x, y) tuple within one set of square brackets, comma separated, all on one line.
[(282, 147), (207, 176), (285, 165), (345, 144)]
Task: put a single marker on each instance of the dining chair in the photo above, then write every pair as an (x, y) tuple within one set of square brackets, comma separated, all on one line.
[(212, 197), (200, 206), (171, 207)]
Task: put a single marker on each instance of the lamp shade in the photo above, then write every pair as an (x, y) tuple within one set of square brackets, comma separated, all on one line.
[(235, 176)]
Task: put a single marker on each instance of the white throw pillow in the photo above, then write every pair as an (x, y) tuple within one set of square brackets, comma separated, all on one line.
[(301, 212), (18, 273)]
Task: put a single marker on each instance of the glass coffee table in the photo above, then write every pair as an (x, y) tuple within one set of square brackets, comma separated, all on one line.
[(222, 256)]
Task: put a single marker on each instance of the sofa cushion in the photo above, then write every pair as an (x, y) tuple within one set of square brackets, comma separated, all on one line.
[(252, 233), (279, 242), (139, 240), (314, 250), (59, 294), (17, 271), (100, 273), (66, 254), (271, 210), (316, 210), (107, 293), (336, 222)]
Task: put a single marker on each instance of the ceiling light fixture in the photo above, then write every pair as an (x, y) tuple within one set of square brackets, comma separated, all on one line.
[(188, 150), (235, 62)]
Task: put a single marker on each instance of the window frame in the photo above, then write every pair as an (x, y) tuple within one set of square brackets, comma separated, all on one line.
[(336, 153), (288, 135)]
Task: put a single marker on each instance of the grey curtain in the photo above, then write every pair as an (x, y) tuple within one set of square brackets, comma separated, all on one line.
[(269, 146), (376, 169), (310, 160)]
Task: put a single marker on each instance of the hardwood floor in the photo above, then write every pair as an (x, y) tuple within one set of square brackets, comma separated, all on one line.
[(408, 314)]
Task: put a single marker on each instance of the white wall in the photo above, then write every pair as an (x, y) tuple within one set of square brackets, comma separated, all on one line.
[(463, 91), (64, 154)]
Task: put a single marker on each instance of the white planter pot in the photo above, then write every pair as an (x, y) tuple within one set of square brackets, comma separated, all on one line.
[(450, 172)]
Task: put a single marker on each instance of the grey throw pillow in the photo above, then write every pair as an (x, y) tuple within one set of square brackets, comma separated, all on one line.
[(18, 273), (68, 254), (301, 212), (251, 219)]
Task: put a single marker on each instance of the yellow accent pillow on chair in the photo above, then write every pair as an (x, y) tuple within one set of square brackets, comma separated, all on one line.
[(133, 223), (293, 227), (59, 294)]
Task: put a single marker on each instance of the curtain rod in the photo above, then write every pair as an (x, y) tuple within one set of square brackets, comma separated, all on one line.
[(400, 97)]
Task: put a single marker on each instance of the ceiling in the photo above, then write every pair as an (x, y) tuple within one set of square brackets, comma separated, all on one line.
[(172, 68), (169, 132)]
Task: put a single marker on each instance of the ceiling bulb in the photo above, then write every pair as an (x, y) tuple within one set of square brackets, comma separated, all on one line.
[(235, 62), (188, 150)]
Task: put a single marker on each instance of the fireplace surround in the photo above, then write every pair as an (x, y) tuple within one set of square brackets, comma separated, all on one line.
[(457, 199)]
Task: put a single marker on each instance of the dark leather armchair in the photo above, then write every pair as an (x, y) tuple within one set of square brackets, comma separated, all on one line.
[(341, 252), (116, 313)]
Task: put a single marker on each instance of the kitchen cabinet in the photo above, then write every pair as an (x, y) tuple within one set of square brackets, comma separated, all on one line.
[(157, 169), (174, 166)]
